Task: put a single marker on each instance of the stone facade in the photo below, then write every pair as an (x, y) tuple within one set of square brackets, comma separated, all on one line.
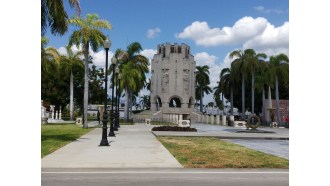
[(284, 109), (173, 81)]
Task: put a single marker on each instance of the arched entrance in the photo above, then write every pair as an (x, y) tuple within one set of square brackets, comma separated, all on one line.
[(190, 103), (158, 102), (175, 102)]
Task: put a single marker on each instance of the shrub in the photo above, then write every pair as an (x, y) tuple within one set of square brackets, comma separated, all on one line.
[(174, 128)]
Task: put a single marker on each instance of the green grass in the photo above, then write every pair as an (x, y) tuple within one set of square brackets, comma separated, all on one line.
[(55, 136), (209, 152)]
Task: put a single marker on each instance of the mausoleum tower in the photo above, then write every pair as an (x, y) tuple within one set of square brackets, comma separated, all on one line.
[(173, 82)]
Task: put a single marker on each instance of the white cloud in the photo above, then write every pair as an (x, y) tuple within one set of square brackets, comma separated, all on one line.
[(152, 33), (98, 57), (273, 40), (257, 33), (148, 53), (267, 11), (243, 30)]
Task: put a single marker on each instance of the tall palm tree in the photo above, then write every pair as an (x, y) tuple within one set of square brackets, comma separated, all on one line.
[(253, 64), (264, 79), (279, 67), (88, 35), (216, 95), (53, 14), (133, 69), (245, 62), (203, 80), (227, 83), (71, 61)]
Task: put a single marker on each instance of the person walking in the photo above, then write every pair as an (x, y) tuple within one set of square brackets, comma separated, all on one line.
[(98, 116)]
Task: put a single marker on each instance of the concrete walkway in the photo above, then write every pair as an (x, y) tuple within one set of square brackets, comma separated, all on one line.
[(133, 147)]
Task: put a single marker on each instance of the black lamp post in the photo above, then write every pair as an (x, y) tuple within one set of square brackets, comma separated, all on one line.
[(116, 121), (118, 100), (111, 132), (104, 141)]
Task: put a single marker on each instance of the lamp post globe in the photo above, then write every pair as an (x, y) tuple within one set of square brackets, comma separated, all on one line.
[(111, 132), (104, 140)]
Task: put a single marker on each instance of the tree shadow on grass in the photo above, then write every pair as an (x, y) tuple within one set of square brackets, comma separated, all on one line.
[(59, 137)]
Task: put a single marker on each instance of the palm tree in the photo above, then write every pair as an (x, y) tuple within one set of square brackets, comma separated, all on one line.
[(253, 64), (133, 69), (279, 67), (145, 101), (50, 58), (264, 79), (216, 95), (71, 61), (227, 83), (88, 35), (53, 13), (203, 80), (245, 62)]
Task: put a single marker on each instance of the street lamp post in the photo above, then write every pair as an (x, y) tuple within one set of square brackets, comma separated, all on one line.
[(111, 132), (104, 141), (118, 100), (115, 111)]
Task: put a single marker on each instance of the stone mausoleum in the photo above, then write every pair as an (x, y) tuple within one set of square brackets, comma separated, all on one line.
[(173, 83)]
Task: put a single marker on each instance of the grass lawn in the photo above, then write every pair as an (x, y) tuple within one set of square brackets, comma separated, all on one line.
[(209, 152), (55, 136)]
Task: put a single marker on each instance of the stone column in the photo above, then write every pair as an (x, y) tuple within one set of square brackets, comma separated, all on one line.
[(231, 119), (218, 119), (60, 114), (212, 119), (52, 111), (223, 120), (207, 119), (56, 115), (180, 117)]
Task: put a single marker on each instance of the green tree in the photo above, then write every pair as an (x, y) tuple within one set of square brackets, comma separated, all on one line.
[(238, 68), (227, 84), (133, 69), (145, 101), (203, 80), (89, 36), (216, 96), (96, 91), (279, 68), (54, 15), (70, 61)]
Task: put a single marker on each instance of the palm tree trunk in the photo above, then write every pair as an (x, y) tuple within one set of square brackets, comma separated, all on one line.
[(231, 101), (252, 94), (277, 102), (131, 104), (201, 101), (126, 105), (231, 106), (71, 96), (86, 84), (243, 95), (223, 104), (263, 105)]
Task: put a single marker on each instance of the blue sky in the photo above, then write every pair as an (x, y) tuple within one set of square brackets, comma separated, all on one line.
[(212, 28)]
